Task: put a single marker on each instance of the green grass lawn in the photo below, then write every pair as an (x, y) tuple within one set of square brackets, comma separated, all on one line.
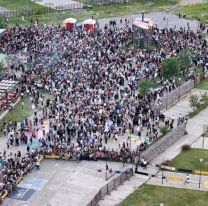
[(150, 195), (104, 11), (202, 84), (19, 4), (190, 160), (198, 12), (18, 114)]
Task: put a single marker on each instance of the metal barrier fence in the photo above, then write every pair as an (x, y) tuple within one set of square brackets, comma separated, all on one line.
[(171, 98), (52, 9), (41, 10), (162, 144), (106, 2), (105, 190)]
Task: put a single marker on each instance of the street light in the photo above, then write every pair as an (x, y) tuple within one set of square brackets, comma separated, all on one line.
[(204, 131), (106, 170), (201, 161)]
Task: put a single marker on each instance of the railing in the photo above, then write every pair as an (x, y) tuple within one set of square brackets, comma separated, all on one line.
[(162, 144), (41, 10), (85, 4), (171, 98), (105, 190)]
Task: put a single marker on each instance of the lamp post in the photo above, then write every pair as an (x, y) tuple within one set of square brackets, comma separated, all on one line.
[(106, 170), (201, 161), (204, 130), (162, 176)]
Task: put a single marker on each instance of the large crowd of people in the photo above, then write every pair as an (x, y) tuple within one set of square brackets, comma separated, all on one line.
[(93, 77)]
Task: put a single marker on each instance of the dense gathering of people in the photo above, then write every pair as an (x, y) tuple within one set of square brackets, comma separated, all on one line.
[(93, 77)]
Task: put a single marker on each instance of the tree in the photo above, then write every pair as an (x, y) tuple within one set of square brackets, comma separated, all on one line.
[(145, 86), (2, 22), (185, 59), (170, 67), (193, 101)]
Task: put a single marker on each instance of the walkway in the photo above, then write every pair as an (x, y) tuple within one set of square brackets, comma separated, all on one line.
[(177, 180), (129, 187), (124, 191), (195, 127)]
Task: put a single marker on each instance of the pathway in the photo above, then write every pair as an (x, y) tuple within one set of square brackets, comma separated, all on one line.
[(201, 143), (177, 180), (124, 191), (195, 127), (129, 187)]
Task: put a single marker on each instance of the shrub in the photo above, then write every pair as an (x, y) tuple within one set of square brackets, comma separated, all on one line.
[(194, 101), (47, 102), (166, 163), (164, 130), (186, 147)]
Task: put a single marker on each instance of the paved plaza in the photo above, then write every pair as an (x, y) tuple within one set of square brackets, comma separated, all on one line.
[(162, 19), (64, 183)]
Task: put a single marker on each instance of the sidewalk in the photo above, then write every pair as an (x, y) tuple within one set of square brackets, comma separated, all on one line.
[(177, 180), (124, 191), (195, 127)]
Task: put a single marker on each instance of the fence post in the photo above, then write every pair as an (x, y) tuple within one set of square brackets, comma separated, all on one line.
[(114, 184), (100, 194), (179, 90), (121, 179), (190, 85), (107, 189)]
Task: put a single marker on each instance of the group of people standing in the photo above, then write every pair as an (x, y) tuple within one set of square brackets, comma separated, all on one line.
[(94, 79)]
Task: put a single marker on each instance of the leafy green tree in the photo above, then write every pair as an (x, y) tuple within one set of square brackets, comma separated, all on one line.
[(170, 67), (145, 86), (2, 22), (185, 59)]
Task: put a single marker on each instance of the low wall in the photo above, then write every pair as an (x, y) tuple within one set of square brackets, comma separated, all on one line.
[(162, 144)]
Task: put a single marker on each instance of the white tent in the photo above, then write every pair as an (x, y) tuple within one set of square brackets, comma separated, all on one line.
[(89, 21), (70, 20)]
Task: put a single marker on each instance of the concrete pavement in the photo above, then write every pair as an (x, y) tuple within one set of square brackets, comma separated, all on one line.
[(195, 127), (124, 191), (177, 180), (201, 143), (62, 183)]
